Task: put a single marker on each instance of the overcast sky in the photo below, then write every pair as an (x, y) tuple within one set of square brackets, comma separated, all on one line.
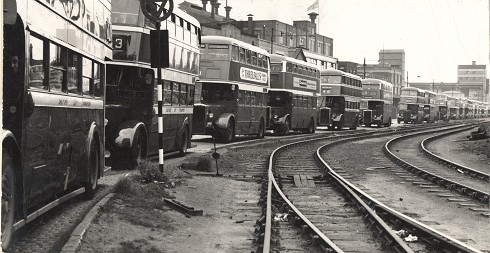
[(436, 35)]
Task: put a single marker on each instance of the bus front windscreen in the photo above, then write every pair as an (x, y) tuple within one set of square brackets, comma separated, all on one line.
[(128, 82), (278, 98), (217, 92)]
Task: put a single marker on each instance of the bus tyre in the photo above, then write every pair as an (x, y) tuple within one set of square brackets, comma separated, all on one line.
[(229, 133), (93, 172), (183, 144), (389, 122), (311, 127), (354, 124), (137, 150), (398, 121), (261, 132), (8, 199), (285, 128), (340, 124)]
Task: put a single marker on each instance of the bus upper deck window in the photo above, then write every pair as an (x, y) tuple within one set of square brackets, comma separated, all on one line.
[(234, 53), (242, 55), (36, 63)]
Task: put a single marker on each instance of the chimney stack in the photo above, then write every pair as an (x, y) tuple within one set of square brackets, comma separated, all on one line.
[(204, 2), (228, 9), (473, 63), (213, 2), (250, 23), (216, 5), (313, 16)]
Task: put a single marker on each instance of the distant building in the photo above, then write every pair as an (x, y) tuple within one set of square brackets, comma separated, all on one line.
[(394, 58), (348, 66), (299, 40), (472, 81)]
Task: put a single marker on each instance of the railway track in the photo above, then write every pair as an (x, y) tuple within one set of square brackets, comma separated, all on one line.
[(304, 171), (447, 162), (434, 172), (322, 199)]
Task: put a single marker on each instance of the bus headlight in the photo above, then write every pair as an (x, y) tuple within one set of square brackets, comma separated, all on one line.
[(334, 115), (105, 121), (13, 109), (210, 116), (276, 117)]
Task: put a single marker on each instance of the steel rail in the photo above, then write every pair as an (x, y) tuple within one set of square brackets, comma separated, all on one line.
[(447, 162), (439, 180), (430, 235)]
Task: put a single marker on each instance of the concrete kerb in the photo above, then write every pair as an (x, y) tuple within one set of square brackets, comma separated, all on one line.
[(75, 241)]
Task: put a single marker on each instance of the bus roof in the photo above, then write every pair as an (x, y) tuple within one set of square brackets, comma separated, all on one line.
[(280, 58), (211, 39), (375, 81), (336, 72), (187, 17), (412, 88)]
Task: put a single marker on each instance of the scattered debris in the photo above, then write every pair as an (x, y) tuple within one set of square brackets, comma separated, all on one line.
[(281, 217), (460, 171), (479, 134), (402, 233), (411, 238), (187, 210)]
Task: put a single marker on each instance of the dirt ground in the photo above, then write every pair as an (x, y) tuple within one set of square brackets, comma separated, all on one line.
[(127, 224)]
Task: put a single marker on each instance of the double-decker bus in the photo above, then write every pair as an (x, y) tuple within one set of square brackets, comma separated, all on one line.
[(53, 105), (461, 104), (411, 105), (231, 94), (292, 96), (341, 92), (430, 112), (453, 108), (132, 102), (442, 104), (377, 102), (468, 108)]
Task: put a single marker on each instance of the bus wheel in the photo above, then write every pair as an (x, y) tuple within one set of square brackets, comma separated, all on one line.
[(340, 125), (137, 151), (398, 121), (8, 199), (183, 144), (93, 172), (229, 132), (261, 132), (311, 127), (389, 122)]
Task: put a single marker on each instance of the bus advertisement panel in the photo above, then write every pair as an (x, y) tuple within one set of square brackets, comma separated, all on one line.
[(231, 94), (53, 106), (292, 95), (132, 102)]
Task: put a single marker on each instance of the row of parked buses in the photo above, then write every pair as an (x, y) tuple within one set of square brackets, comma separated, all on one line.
[(417, 105), (79, 93)]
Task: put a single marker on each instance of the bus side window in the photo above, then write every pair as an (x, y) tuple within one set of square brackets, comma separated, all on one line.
[(183, 94), (252, 98), (254, 58), (74, 69), (57, 67), (36, 64), (98, 85), (241, 97), (259, 60), (167, 93), (234, 53), (248, 56), (175, 94), (87, 72), (191, 93), (247, 98)]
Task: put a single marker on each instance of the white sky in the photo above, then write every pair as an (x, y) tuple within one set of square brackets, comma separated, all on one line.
[(436, 35)]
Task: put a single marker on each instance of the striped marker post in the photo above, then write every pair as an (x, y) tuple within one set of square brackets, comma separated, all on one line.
[(160, 103)]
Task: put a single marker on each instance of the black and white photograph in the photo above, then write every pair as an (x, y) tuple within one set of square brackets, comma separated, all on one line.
[(216, 126)]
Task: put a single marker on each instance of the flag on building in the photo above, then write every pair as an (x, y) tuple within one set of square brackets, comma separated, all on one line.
[(313, 6)]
